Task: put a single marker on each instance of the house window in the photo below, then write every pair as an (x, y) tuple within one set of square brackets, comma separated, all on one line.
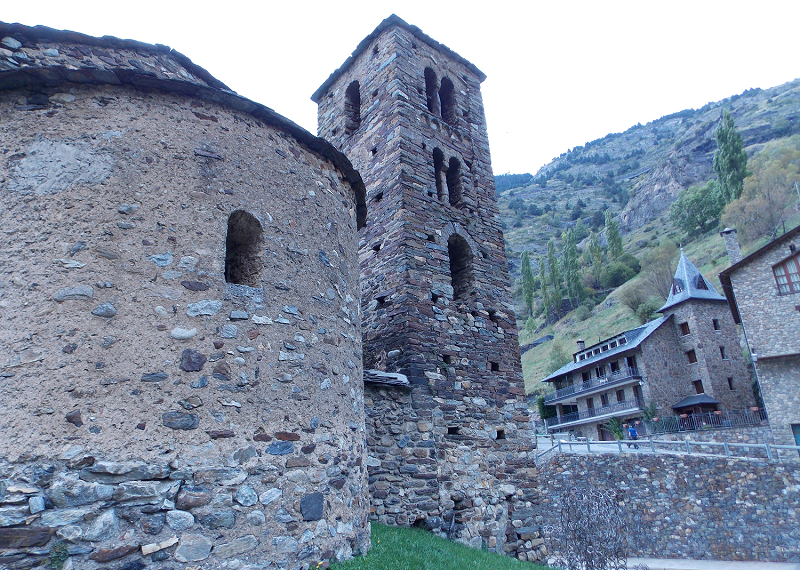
[(620, 395), (242, 249), (600, 371), (730, 383), (630, 361), (590, 403), (623, 340), (586, 376), (447, 100), (715, 323), (352, 108), (684, 329), (615, 366), (787, 275), (698, 386), (604, 399), (692, 356), (612, 344), (722, 353), (460, 265)]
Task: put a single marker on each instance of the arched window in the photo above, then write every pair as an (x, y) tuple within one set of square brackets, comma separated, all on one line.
[(447, 99), (438, 170), (352, 108), (243, 249), (461, 272), (431, 91), (454, 181)]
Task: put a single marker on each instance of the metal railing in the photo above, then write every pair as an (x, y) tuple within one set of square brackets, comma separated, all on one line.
[(707, 420), (757, 451), (628, 405), (620, 375)]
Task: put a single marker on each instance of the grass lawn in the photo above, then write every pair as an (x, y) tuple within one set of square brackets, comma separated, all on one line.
[(396, 548)]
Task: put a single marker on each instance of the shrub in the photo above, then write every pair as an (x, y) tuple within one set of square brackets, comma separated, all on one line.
[(583, 312), (615, 275)]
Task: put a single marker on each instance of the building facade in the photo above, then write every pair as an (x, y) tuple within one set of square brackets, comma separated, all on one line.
[(763, 290), (689, 360), (451, 450)]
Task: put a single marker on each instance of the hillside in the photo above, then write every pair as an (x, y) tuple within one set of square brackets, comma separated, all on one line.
[(637, 175)]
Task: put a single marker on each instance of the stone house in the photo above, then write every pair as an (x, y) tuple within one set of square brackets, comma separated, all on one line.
[(686, 361), (763, 291)]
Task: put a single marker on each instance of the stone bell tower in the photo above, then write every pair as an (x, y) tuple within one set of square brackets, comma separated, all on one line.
[(435, 297)]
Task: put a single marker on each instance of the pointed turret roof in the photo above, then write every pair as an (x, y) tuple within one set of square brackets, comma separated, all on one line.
[(689, 283)]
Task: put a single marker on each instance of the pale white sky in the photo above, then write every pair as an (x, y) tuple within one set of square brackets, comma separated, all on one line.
[(560, 73)]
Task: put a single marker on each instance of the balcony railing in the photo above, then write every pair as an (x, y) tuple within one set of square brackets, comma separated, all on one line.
[(628, 405), (708, 420), (615, 377)]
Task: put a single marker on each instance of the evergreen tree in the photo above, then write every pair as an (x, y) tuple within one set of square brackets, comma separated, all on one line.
[(527, 282), (730, 159), (555, 277), (595, 258), (545, 294), (572, 276), (612, 235)]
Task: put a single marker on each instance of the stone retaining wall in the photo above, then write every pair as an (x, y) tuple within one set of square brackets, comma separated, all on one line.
[(687, 506)]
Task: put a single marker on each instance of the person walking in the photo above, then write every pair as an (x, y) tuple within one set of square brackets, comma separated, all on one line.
[(634, 436)]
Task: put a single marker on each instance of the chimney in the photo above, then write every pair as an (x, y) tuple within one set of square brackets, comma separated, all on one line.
[(581, 345), (732, 245)]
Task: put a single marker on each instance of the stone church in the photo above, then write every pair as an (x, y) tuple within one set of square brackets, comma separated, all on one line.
[(191, 287)]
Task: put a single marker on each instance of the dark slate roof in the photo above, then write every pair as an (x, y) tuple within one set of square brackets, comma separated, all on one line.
[(113, 61), (725, 276), (689, 283), (695, 400), (393, 20), (633, 338)]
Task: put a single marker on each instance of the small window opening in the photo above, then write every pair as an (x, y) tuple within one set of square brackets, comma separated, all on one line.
[(460, 266), (684, 329), (375, 93), (438, 167), (376, 247), (603, 400), (677, 286), (431, 238), (493, 316), (447, 101), (722, 352), (374, 150), (623, 340), (434, 298), (501, 434), (378, 197), (620, 395), (334, 131), (352, 107), (715, 324), (424, 146), (431, 91), (381, 301), (242, 249), (730, 383), (448, 359), (495, 366), (420, 523), (698, 386), (453, 430), (375, 50), (454, 181), (692, 356), (701, 283), (469, 164)]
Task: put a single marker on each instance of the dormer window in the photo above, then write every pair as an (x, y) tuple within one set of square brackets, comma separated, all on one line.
[(701, 283), (677, 286)]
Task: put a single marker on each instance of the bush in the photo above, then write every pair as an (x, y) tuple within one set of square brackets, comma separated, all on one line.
[(647, 312), (631, 261), (616, 274), (583, 312), (545, 412)]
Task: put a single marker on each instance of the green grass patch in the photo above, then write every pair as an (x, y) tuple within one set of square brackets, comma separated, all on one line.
[(395, 548)]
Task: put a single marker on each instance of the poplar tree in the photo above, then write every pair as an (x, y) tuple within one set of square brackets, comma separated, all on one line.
[(555, 277), (572, 276), (612, 235), (730, 159), (545, 294), (595, 258), (527, 282)]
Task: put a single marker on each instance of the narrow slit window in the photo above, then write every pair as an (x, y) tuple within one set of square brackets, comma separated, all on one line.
[(495, 366), (243, 249), (431, 91), (454, 181), (461, 273), (447, 100), (715, 324), (501, 434), (730, 383), (685, 329), (692, 356), (698, 386), (352, 107), (452, 430)]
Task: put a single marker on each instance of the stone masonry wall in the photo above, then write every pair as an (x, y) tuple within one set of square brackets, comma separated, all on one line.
[(780, 387), (153, 411), (688, 506)]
